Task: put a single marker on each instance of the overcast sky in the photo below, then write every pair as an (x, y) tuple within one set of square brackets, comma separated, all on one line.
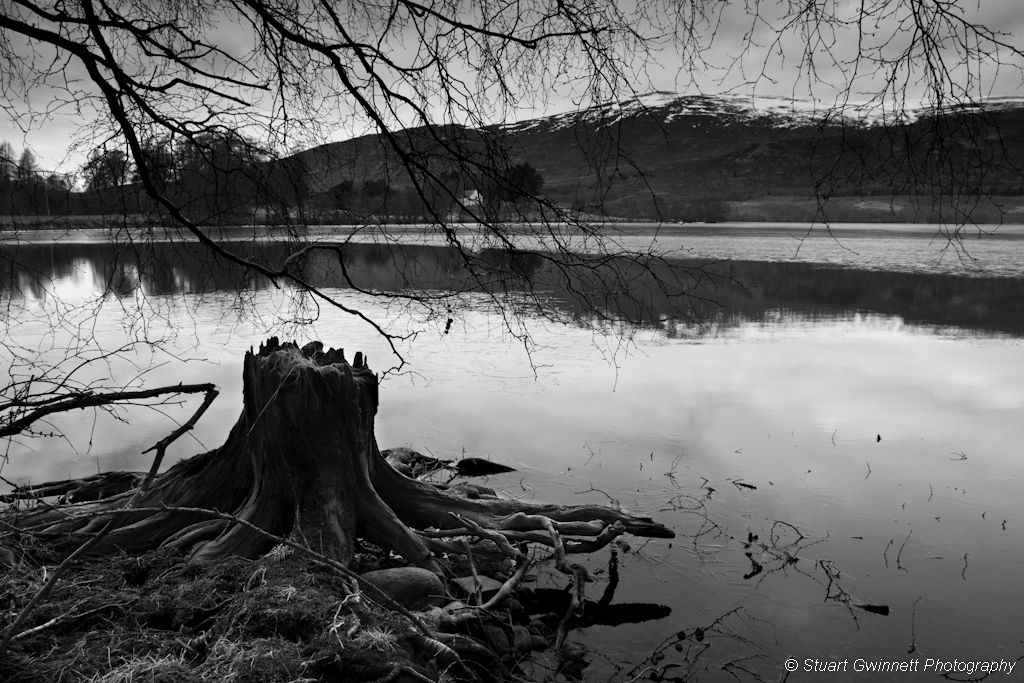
[(775, 74)]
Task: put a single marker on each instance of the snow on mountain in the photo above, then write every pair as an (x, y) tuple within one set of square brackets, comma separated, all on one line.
[(666, 107), (778, 112)]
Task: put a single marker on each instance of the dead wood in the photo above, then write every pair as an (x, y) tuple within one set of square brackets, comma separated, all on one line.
[(302, 460)]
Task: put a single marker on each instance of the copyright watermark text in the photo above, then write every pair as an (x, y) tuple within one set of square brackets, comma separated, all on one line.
[(915, 665)]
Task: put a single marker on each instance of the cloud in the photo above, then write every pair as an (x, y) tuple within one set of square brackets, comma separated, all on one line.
[(736, 50)]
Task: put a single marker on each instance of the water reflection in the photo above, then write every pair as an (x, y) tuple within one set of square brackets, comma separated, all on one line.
[(784, 401), (681, 297)]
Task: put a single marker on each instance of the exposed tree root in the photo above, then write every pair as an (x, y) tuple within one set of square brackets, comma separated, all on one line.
[(302, 459)]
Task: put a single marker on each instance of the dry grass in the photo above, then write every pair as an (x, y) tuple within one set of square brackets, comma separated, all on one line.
[(379, 638), (145, 668), (234, 621), (263, 659)]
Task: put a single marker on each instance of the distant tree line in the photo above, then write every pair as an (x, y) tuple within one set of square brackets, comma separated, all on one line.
[(455, 195), (228, 178), (215, 177), (25, 189), (225, 178)]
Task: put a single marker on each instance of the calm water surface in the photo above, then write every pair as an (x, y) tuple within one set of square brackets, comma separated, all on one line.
[(873, 449), (923, 248)]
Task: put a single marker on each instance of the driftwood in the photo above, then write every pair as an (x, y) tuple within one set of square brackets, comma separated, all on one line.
[(302, 460)]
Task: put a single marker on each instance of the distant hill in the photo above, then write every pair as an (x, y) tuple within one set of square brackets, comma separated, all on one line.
[(722, 158)]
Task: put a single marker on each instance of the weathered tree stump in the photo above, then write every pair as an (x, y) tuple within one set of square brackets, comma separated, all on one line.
[(302, 459)]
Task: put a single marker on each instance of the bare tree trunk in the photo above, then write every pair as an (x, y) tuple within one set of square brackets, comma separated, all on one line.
[(303, 459)]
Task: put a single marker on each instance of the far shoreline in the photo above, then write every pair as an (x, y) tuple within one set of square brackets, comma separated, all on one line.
[(981, 214), (98, 229)]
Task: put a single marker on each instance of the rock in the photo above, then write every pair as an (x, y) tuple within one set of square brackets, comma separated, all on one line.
[(523, 638), (495, 566), (537, 624), (513, 606), (478, 467), (471, 491), (572, 652), (538, 643), (434, 615), (496, 638), (412, 464), (466, 586), (410, 587)]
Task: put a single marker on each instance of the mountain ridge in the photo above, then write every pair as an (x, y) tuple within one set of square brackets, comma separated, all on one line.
[(692, 157), (781, 111)]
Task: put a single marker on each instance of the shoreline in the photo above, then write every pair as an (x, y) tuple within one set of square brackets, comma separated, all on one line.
[(70, 233)]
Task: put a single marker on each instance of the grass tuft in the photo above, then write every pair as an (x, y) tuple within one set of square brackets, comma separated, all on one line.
[(379, 638)]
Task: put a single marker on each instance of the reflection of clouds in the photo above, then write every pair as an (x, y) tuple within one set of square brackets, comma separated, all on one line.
[(848, 372), (758, 403), (473, 388)]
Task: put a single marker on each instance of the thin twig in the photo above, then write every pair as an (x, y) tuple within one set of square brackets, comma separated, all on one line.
[(69, 616), (88, 399), (913, 627), (900, 553), (477, 593), (50, 583), (161, 446)]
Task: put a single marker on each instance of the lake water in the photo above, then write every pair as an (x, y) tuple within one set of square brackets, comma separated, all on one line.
[(865, 425)]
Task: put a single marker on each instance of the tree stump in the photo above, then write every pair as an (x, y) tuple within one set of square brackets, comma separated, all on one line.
[(302, 460)]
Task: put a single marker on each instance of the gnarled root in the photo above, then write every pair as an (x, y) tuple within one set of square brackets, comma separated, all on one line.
[(302, 459)]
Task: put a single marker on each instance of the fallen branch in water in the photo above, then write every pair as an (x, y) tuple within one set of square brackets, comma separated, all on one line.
[(19, 414)]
